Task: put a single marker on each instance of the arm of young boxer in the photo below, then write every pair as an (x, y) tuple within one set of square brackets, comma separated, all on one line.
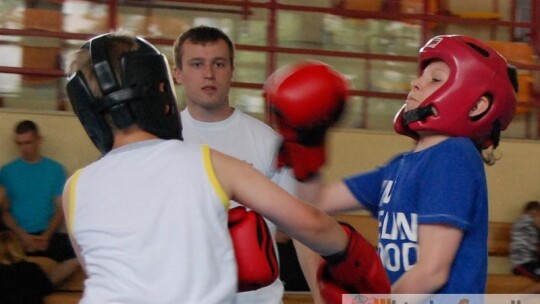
[(246, 185), (437, 248), (351, 265), (309, 260), (332, 198)]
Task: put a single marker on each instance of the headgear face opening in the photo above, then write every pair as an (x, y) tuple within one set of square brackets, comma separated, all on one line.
[(145, 95), (476, 70)]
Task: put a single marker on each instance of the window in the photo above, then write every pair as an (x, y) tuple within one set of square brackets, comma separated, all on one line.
[(374, 43)]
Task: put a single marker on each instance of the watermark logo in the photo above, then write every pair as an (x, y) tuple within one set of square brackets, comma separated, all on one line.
[(441, 299)]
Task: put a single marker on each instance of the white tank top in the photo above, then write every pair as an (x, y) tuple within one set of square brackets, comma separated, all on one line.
[(151, 221)]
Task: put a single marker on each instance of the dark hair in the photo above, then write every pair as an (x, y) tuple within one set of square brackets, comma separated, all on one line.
[(200, 35), (532, 205), (26, 126)]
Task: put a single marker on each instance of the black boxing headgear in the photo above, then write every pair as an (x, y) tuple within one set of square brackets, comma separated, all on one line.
[(144, 95)]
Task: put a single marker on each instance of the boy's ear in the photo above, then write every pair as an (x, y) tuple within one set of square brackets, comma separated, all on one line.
[(481, 106)]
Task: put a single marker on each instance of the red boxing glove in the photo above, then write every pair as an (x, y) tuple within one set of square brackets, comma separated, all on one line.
[(254, 249), (357, 270), (302, 150), (305, 99)]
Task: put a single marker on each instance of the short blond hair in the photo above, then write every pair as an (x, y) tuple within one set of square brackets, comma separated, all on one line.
[(120, 42)]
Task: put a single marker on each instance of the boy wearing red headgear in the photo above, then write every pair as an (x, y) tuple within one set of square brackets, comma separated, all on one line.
[(432, 203)]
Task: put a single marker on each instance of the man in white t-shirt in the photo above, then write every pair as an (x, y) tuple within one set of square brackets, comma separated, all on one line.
[(204, 65)]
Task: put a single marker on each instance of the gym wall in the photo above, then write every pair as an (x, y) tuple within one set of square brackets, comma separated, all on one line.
[(512, 181)]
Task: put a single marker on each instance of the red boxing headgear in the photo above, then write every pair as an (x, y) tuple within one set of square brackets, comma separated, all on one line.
[(475, 70)]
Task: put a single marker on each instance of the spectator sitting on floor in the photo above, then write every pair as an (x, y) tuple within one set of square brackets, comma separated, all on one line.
[(525, 245)]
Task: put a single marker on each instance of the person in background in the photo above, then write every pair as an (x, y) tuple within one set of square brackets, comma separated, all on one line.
[(204, 66), (23, 281), (32, 204), (525, 242)]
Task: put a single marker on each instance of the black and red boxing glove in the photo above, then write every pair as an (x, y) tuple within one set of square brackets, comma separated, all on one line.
[(305, 100), (254, 249), (303, 150), (357, 270)]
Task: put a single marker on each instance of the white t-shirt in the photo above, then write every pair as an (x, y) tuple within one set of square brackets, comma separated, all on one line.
[(253, 141)]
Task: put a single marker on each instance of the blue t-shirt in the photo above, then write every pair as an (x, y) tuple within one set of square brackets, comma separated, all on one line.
[(31, 189), (444, 184)]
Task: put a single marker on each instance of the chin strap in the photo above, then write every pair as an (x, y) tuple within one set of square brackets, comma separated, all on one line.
[(417, 114)]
